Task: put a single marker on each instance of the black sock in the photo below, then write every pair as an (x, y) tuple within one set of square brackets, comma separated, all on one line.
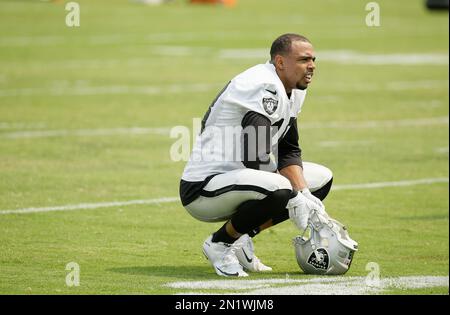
[(254, 232), (222, 236)]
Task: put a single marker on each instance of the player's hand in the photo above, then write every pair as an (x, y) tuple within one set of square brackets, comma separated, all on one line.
[(305, 192), (299, 208)]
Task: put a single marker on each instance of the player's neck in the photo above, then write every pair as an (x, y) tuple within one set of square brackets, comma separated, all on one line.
[(285, 85)]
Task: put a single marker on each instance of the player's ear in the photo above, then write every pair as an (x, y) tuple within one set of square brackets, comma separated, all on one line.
[(279, 62)]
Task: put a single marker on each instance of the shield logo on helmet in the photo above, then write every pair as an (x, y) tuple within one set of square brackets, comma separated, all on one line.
[(321, 260)]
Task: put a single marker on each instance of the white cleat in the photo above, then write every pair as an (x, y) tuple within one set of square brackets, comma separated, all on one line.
[(223, 258), (246, 256)]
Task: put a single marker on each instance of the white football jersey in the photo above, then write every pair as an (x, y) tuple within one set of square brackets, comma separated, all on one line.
[(258, 89)]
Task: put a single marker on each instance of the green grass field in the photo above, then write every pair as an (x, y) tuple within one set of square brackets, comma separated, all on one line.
[(376, 112)]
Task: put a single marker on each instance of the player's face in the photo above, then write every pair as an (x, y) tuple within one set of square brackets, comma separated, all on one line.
[(300, 65)]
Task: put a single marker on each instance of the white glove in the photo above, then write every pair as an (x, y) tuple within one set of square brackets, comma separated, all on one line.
[(300, 208), (317, 201)]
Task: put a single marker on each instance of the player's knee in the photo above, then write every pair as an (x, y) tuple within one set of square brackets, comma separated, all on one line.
[(327, 174), (317, 175), (279, 198), (323, 173), (283, 196), (282, 183)]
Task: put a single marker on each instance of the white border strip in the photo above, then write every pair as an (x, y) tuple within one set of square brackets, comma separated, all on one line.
[(84, 206)]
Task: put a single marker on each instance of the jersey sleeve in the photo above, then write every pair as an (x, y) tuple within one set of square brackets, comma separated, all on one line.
[(257, 143), (289, 152), (262, 98)]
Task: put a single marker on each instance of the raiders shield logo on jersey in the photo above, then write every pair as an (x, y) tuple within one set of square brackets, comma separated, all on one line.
[(270, 105)]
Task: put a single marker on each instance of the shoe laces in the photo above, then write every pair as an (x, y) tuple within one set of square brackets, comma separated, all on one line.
[(229, 257)]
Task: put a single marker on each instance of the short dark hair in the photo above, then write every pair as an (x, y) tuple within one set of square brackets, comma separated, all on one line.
[(282, 45)]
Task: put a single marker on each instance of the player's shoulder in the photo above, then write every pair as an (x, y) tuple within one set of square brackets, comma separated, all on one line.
[(261, 75)]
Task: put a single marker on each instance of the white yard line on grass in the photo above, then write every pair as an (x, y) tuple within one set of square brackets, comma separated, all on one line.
[(111, 89), (345, 57), (166, 130), (83, 90), (355, 57), (149, 38), (415, 85), (21, 125), (319, 286), (349, 57), (334, 144), (391, 184), (85, 132), (84, 206), (442, 150), (106, 39), (443, 120), (18, 41)]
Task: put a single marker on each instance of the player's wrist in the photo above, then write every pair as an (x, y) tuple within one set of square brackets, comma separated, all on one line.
[(305, 191), (296, 201)]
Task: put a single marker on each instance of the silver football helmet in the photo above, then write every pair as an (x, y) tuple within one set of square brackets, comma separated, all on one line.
[(328, 250)]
